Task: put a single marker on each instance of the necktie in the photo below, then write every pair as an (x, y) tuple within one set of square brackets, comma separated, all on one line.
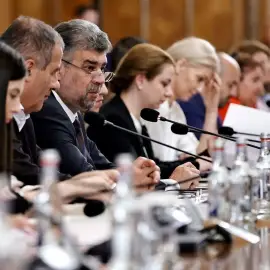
[(79, 135)]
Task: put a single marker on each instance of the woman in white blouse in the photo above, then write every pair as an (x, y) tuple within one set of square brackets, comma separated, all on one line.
[(197, 65)]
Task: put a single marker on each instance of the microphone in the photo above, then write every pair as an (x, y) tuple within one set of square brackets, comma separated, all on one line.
[(181, 129), (94, 208), (148, 115), (228, 131), (97, 120)]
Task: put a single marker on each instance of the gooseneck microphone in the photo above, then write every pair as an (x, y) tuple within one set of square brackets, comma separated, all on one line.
[(153, 116), (182, 129), (228, 131), (97, 120), (179, 128)]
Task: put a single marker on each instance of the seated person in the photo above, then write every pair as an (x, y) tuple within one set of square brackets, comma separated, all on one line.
[(118, 51), (59, 124), (230, 76), (89, 13), (250, 87), (42, 66), (260, 53), (143, 79), (201, 109), (196, 62)]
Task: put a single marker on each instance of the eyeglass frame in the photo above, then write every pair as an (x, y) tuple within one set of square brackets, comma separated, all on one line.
[(110, 75)]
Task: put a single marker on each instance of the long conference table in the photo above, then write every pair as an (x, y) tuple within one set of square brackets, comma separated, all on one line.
[(241, 255)]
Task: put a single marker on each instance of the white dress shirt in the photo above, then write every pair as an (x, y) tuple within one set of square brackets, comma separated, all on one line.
[(72, 116), (137, 123), (161, 131), (20, 118)]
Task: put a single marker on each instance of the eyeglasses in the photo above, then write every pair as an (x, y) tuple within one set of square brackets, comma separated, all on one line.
[(108, 76)]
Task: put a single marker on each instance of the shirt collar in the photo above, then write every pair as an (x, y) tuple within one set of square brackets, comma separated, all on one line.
[(72, 116), (20, 118), (136, 123)]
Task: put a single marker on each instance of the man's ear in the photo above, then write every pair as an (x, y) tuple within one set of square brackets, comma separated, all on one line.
[(30, 65), (139, 81), (179, 64)]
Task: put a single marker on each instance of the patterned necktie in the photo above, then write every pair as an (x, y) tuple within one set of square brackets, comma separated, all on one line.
[(79, 135)]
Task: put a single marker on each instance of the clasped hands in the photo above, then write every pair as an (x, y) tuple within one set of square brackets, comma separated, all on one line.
[(91, 185), (145, 172)]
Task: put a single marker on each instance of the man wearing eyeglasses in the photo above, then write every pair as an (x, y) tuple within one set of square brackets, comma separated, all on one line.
[(82, 76)]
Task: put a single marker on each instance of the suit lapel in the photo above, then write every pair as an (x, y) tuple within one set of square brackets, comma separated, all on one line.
[(29, 140), (136, 140), (73, 131), (56, 104)]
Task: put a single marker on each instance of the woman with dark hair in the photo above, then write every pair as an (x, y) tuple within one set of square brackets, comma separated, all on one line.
[(12, 77)]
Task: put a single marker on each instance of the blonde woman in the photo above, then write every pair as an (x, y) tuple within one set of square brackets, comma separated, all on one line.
[(197, 67)]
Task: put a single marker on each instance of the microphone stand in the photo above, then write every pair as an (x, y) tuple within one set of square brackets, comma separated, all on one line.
[(193, 129), (155, 141)]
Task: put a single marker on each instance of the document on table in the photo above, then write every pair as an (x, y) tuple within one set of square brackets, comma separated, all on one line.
[(249, 120)]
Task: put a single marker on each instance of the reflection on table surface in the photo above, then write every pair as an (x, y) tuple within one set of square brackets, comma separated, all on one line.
[(240, 256)]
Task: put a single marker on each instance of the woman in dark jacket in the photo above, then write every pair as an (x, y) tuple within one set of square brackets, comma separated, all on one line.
[(143, 80)]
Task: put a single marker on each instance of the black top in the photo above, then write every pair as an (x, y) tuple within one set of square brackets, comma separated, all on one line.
[(113, 142), (54, 129), (26, 155)]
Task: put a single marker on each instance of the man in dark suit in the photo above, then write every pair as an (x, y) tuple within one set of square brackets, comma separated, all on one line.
[(55, 129), (60, 124), (42, 48)]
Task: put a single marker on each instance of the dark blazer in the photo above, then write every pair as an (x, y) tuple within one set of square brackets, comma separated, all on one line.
[(54, 129), (113, 142), (26, 155)]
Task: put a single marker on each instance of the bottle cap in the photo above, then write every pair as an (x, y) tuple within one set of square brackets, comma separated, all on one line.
[(49, 157), (124, 160), (219, 144), (241, 141)]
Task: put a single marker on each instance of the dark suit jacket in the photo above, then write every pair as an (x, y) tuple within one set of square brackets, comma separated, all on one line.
[(26, 154), (113, 142), (54, 130)]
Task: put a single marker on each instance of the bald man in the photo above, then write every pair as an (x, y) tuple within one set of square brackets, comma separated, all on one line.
[(230, 77)]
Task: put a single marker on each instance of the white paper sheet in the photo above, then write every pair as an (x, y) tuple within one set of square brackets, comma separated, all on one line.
[(249, 120), (246, 119)]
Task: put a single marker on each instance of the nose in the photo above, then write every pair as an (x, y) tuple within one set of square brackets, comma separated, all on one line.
[(17, 106), (260, 90), (55, 84), (200, 87), (169, 92), (104, 90), (99, 78)]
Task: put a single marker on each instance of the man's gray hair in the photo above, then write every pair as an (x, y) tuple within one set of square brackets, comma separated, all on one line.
[(83, 35), (33, 38)]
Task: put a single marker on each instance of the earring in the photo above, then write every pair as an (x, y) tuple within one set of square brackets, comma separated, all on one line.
[(29, 72)]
